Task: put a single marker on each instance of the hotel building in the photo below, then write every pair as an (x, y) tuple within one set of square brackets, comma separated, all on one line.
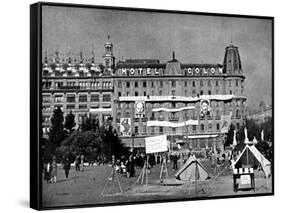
[(193, 104)]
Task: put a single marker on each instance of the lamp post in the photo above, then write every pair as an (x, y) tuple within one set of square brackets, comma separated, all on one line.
[(133, 142)]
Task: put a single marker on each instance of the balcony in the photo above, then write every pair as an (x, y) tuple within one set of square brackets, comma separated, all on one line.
[(173, 118), (217, 117), (209, 117), (144, 119), (152, 118), (136, 119), (186, 118), (161, 119), (238, 116), (194, 117)]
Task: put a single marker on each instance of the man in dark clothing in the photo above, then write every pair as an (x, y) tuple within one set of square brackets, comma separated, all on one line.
[(66, 167), (77, 163), (175, 162)]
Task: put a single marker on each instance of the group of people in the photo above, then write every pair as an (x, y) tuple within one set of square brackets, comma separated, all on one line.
[(51, 167), (124, 166), (50, 171), (79, 162)]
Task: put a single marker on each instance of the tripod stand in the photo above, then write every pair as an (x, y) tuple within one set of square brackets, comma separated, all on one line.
[(111, 179), (143, 174), (164, 169)]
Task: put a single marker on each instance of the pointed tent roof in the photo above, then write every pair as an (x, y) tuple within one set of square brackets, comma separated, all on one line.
[(188, 171), (252, 156)]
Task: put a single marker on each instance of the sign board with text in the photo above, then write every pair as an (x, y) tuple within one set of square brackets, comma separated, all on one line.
[(156, 144)]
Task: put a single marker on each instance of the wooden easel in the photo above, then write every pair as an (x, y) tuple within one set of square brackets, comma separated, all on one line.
[(111, 178)]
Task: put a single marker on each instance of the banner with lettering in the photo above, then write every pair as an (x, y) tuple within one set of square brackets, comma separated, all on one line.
[(156, 144)]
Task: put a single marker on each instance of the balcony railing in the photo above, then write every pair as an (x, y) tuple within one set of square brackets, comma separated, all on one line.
[(209, 117), (194, 117), (238, 116), (136, 119), (173, 118), (161, 119), (152, 118), (217, 117), (144, 119), (186, 118)]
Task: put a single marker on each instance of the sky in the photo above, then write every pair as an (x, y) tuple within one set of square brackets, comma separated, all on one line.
[(138, 34)]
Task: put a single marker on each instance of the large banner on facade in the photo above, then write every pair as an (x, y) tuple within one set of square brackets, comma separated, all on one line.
[(139, 109), (125, 126), (225, 123), (205, 108), (156, 144)]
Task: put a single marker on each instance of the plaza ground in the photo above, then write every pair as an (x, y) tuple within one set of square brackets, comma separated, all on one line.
[(86, 187)]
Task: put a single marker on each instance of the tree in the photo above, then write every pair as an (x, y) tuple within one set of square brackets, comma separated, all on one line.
[(104, 142), (87, 143), (229, 135), (267, 128), (90, 123), (69, 123), (57, 134), (252, 129)]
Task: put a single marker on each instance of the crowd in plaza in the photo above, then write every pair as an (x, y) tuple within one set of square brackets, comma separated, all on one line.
[(126, 165)]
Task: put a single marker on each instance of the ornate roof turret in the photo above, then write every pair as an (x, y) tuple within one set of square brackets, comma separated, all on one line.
[(232, 62)]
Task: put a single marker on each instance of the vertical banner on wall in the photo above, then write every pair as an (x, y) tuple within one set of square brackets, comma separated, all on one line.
[(125, 126), (205, 107), (139, 109), (225, 123)]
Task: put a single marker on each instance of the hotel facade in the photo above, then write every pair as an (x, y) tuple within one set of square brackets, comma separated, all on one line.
[(193, 104)]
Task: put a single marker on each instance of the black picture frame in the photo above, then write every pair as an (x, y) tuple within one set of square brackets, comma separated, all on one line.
[(36, 164)]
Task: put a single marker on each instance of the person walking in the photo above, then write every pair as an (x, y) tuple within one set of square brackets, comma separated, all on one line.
[(130, 167), (82, 162), (66, 167), (54, 170), (47, 172), (77, 163)]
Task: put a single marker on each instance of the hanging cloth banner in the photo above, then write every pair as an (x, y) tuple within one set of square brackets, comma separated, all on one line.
[(173, 110), (172, 124), (156, 144), (179, 98)]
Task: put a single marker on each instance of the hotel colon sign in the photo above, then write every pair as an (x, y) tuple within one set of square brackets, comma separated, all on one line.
[(193, 104)]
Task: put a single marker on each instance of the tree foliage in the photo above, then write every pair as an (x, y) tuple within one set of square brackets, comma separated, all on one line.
[(229, 135), (90, 123), (69, 122), (92, 144), (57, 134)]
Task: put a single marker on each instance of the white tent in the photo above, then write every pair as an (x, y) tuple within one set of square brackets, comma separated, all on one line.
[(192, 170), (252, 156)]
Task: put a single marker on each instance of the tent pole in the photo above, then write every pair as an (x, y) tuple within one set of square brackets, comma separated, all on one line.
[(247, 156), (196, 177)]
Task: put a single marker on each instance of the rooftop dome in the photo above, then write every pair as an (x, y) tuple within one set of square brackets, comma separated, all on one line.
[(232, 62)]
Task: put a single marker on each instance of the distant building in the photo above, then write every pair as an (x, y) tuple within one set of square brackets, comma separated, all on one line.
[(78, 85), (261, 115), (191, 103)]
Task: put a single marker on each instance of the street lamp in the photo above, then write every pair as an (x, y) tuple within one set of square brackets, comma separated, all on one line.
[(133, 142)]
